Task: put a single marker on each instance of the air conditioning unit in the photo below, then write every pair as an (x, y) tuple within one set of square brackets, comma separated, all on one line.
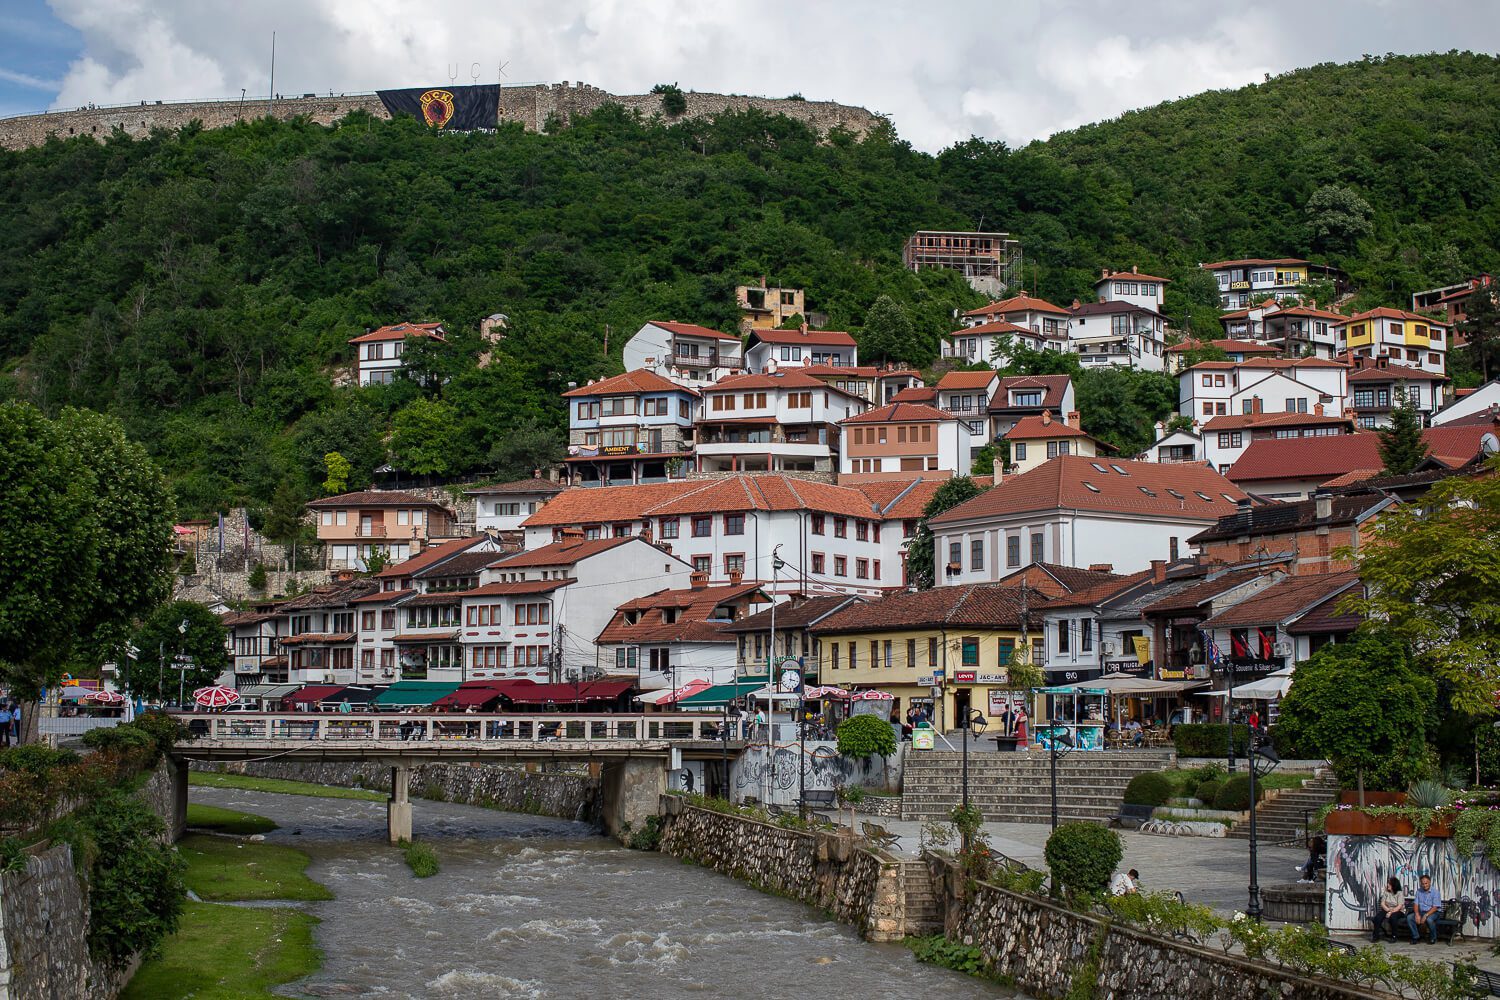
[(1282, 649), (1107, 648)]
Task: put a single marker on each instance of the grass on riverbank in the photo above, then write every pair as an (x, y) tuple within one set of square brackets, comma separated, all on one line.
[(202, 817), (244, 782), (224, 869), (229, 953), (420, 858)]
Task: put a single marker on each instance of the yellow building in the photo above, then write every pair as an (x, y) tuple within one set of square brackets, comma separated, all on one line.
[(949, 648), (1035, 440)]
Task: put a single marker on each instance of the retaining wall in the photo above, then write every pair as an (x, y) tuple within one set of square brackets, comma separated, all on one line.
[(44, 921), (564, 795), (1042, 948)]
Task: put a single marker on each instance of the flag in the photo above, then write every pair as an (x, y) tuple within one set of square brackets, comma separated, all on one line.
[(452, 109)]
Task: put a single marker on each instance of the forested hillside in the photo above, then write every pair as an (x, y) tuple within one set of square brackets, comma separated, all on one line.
[(202, 285)]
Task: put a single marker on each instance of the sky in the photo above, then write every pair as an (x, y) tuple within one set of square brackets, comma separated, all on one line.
[(942, 70)]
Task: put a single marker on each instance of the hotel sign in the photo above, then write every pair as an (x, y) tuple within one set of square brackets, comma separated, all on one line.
[(1238, 286)]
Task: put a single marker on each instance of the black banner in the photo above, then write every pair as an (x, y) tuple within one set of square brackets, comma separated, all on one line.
[(454, 109)]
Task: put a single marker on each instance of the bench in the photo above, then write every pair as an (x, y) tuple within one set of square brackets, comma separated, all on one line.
[(879, 835), (1132, 815), (1486, 984), (819, 798)]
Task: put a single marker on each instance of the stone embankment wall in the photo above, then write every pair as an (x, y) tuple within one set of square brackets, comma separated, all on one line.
[(531, 105), (857, 886), (44, 921), (1041, 948), (564, 795)]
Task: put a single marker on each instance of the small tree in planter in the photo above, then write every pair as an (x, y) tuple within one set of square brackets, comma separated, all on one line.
[(1021, 675), (861, 737)]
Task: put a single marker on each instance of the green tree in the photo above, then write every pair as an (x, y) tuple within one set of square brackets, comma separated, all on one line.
[(888, 335), (1337, 218), (338, 470), (423, 436), (286, 517), (1481, 327), (177, 629), (864, 736), (1402, 448), (673, 101), (920, 567), (529, 447), (1364, 706), (1429, 572), (984, 459)]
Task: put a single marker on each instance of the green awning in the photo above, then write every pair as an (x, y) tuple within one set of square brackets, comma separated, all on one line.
[(414, 693), (721, 694)]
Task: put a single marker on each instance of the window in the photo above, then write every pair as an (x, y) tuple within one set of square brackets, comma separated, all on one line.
[(684, 411), (817, 562), (734, 562), (862, 569), (862, 531), (875, 569), (342, 517), (955, 554), (1006, 650), (588, 410), (656, 406), (702, 564), (889, 662), (976, 554), (817, 524), (1085, 635), (734, 524), (970, 646), (622, 531), (840, 527), (703, 526), (1036, 547), (1172, 549), (911, 653), (874, 654), (1013, 550), (670, 526), (388, 620), (626, 657), (1055, 448), (840, 566), (1064, 634), (834, 649), (853, 655), (1018, 452), (1208, 379)]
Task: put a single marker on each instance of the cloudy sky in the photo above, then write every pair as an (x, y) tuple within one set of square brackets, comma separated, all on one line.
[(941, 69)]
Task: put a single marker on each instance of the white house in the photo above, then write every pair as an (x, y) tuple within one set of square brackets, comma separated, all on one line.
[(1133, 287), (1180, 445), (503, 506), (782, 421), (1019, 396), (673, 637), (1235, 350), (686, 353), (631, 428), (770, 350), (1476, 406), (966, 395), (1226, 438), (1376, 386), (1119, 333), (1263, 385), (1034, 440), (903, 440), (1079, 511), (379, 354), (1405, 337)]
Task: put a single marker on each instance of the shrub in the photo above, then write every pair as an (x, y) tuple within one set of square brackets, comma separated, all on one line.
[(1208, 791), (164, 729), (673, 102), (124, 738), (420, 858), (863, 736), (1082, 857), (1149, 789), (1208, 739), (648, 837), (35, 758), (936, 949), (1235, 795), (257, 578)]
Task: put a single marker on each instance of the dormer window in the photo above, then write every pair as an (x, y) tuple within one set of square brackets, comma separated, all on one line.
[(632, 617)]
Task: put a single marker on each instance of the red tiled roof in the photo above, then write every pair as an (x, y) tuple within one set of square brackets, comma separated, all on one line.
[(1200, 593), (1273, 364), (1283, 600), (612, 504), (447, 636), (400, 331), (758, 421), (1034, 428), (320, 638), (1099, 592), (915, 394), (517, 587), (693, 330), (375, 498), (1241, 346), (822, 338), (1350, 478), (976, 605), (1240, 421), (693, 606), (1392, 371), (1272, 519), (1386, 312), (383, 596), (532, 485), (427, 557), (1131, 276), (966, 380), (1307, 312), (463, 564), (786, 378), (897, 413), (1054, 386), (234, 619), (640, 380), (1252, 261), (998, 326), (1061, 483), (564, 553), (1017, 303), (802, 615), (901, 499), (1327, 458)]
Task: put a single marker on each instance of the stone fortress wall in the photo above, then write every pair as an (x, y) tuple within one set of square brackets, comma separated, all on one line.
[(529, 104)]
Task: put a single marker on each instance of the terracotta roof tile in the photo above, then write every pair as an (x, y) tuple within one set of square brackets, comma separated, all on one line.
[(915, 394), (567, 552), (1241, 346), (821, 338), (601, 505), (383, 596), (693, 330), (901, 499), (1055, 388), (375, 498), (1386, 312), (1325, 458), (1037, 428), (1065, 482), (1100, 592), (1252, 261), (1000, 326), (640, 380), (786, 378), (803, 615), (466, 563), (967, 380), (400, 331), (899, 413), (1271, 364), (976, 605), (1393, 371), (427, 557), (532, 485), (516, 587), (1015, 304), (1200, 593), (1131, 276), (692, 607), (1283, 600), (1240, 421)]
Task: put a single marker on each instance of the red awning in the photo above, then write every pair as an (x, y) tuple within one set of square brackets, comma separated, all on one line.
[(569, 694), (479, 692), (314, 693)]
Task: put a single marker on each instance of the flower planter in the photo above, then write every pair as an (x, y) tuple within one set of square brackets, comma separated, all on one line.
[(1351, 798), (1353, 823)]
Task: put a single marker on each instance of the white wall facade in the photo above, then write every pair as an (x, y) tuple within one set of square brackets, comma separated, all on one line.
[(1082, 538), (652, 348), (506, 511), (1481, 400)]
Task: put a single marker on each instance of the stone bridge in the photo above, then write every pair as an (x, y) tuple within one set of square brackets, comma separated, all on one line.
[(636, 751)]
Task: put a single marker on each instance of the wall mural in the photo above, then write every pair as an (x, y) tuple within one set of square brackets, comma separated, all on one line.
[(826, 771), (1359, 866)]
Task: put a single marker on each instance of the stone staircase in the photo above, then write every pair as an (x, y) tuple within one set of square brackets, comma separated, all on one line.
[(1016, 787), (923, 915), (1279, 819)]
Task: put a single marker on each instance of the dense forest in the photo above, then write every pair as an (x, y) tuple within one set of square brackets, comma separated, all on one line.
[(202, 285)]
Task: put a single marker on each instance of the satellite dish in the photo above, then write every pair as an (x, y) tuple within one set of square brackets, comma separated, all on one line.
[(1489, 444)]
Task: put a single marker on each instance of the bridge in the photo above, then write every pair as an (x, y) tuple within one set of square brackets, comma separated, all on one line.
[(636, 751)]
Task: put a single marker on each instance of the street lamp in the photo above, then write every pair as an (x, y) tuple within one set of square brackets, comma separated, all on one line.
[(1056, 735), (977, 722), (1263, 760)]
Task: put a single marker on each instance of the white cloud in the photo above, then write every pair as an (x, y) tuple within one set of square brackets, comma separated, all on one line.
[(942, 70)]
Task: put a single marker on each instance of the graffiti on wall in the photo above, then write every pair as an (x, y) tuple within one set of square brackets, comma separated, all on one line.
[(1359, 866), (774, 778)]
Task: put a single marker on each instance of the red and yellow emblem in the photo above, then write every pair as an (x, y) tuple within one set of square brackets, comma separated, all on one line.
[(437, 107)]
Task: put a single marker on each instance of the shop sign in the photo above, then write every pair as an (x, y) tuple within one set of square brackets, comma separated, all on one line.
[(1254, 665), (1171, 675), (964, 676), (925, 680), (1072, 676), (1000, 701), (1133, 667), (1238, 286), (1003, 677), (618, 449)]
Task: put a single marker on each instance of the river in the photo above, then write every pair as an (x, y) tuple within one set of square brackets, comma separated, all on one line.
[(533, 907)]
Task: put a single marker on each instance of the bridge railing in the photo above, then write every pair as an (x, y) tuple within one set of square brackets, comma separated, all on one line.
[(309, 727)]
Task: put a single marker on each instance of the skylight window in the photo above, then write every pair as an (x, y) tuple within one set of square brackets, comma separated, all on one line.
[(1149, 493), (1226, 496), (1100, 467), (1091, 486), (1203, 496), (1118, 469), (1175, 495)]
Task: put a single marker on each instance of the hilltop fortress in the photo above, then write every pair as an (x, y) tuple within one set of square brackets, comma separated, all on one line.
[(530, 104)]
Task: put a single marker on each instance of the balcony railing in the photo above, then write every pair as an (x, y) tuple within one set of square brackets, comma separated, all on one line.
[(369, 531)]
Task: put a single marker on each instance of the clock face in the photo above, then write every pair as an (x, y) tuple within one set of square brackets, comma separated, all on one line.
[(791, 680)]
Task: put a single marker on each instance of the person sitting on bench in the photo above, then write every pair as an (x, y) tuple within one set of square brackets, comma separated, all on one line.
[(1390, 908), (1425, 912)]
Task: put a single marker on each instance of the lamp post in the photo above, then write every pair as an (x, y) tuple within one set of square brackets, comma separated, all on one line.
[(973, 719), (1257, 753), (1054, 737)]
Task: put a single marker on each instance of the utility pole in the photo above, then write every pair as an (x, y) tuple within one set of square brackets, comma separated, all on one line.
[(271, 101)]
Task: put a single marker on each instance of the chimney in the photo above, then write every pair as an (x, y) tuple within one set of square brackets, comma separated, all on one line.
[(1255, 404), (998, 469), (1134, 269), (803, 328), (1317, 409), (571, 534), (1158, 571), (1076, 303), (698, 579), (1323, 506), (1046, 418), (735, 576), (1073, 419), (1102, 568), (1103, 273)]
